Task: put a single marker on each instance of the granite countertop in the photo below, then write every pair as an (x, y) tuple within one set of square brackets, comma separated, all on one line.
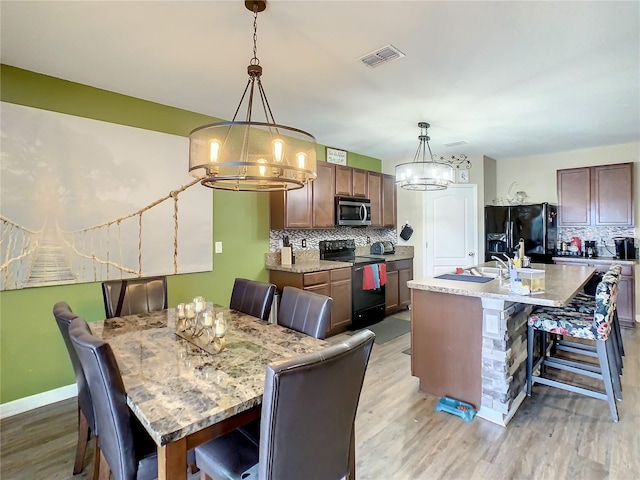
[(308, 266), (561, 284), (595, 260)]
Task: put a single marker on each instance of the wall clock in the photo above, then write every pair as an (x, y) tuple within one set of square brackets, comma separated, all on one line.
[(463, 176)]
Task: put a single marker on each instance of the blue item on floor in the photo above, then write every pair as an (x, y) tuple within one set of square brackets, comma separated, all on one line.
[(465, 278), (456, 407)]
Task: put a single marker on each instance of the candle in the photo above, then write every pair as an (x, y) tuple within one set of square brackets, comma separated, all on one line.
[(207, 319), (220, 325)]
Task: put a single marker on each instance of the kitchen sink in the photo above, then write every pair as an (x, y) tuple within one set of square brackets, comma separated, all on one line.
[(492, 272)]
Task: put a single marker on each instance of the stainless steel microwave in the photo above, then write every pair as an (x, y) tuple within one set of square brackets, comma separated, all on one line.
[(355, 212)]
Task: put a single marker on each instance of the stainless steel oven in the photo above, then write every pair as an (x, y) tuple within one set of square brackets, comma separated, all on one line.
[(368, 301), (353, 211)]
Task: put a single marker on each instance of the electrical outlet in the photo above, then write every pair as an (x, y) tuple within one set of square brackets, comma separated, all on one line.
[(304, 243), (218, 247), (368, 240)]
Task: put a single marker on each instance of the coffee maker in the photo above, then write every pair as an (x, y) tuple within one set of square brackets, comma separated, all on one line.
[(625, 248), (590, 248)]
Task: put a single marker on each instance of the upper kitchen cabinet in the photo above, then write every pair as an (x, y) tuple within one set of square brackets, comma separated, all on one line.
[(360, 184), (613, 194), (344, 181), (291, 209), (598, 196), (374, 184), (323, 196), (389, 201), (307, 207), (351, 182)]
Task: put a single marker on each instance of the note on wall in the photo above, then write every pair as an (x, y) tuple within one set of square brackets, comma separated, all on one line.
[(337, 156)]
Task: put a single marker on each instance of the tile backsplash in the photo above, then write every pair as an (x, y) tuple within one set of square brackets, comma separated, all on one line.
[(362, 236), (599, 234)]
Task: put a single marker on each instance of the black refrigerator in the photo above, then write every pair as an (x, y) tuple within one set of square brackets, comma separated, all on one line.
[(536, 224)]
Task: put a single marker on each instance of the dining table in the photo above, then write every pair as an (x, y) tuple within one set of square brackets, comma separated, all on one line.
[(184, 396)]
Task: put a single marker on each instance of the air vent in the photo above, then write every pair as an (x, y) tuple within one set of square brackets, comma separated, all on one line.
[(455, 144), (380, 56)]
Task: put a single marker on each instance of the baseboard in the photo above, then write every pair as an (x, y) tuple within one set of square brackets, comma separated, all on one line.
[(25, 404)]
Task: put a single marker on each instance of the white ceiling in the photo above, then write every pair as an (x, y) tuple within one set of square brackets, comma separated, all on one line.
[(510, 79)]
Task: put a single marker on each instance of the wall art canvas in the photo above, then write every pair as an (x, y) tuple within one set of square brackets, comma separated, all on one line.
[(85, 201)]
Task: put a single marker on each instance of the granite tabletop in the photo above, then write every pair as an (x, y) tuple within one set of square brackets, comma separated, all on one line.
[(562, 282), (175, 388)]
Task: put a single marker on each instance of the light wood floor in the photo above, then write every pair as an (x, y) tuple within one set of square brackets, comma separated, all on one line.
[(555, 434)]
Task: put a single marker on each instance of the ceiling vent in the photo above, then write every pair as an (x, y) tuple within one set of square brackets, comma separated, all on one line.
[(455, 144), (380, 56)]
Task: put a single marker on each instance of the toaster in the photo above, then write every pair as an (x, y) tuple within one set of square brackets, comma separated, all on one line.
[(381, 248), (376, 248)]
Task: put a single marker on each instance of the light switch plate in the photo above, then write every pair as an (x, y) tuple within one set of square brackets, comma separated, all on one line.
[(218, 247)]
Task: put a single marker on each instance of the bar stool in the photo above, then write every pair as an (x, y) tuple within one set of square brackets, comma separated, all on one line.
[(585, 303), (594, 326)]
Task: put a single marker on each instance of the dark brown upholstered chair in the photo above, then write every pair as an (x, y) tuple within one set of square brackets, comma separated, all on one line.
[(126, 448), (86, 422), (253, 298), (304, 311), (135, 295), (308, 411)]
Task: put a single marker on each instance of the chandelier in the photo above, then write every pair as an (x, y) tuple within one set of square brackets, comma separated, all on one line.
[(437, 173), (250, 155)]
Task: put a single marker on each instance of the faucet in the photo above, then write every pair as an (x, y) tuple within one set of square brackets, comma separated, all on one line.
[(502, 263)]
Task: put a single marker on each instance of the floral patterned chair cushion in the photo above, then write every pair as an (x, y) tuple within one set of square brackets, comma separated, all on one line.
[(576, 319)]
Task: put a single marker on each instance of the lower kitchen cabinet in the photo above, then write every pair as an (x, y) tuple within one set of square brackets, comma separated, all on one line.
[(397, 294), (626, 301), (340, 291), (334, 283)]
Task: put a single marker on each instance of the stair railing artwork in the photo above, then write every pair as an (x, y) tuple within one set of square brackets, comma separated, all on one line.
[(22, 242), (53, 256)]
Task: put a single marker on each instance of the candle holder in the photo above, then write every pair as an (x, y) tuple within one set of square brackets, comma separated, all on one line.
[(200, 327)]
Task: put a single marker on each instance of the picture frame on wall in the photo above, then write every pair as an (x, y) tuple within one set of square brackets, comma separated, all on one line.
[(463, 175), (337, 156)]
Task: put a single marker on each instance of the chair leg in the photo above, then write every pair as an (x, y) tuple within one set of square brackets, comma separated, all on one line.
[(105, 469), (83, 438), (606, 377), (613, 355), (95, 474), (530, 339)]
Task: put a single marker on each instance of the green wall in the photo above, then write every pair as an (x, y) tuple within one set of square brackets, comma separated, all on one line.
[(33, 358)]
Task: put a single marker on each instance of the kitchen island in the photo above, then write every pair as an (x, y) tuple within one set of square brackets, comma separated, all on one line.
[(469, 340)]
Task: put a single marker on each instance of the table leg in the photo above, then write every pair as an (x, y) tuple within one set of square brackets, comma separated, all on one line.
[(172, 460)]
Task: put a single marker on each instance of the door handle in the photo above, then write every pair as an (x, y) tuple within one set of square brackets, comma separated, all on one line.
[(363, 213), (472, 254)]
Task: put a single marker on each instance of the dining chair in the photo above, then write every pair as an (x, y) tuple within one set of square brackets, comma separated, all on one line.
[(252, 297), (134, 295), (127, 451), (595, 326), (86, 421), (308, 413), (305, 311)]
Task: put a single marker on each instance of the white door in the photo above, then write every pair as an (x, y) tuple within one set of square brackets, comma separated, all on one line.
[(451, 229)]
